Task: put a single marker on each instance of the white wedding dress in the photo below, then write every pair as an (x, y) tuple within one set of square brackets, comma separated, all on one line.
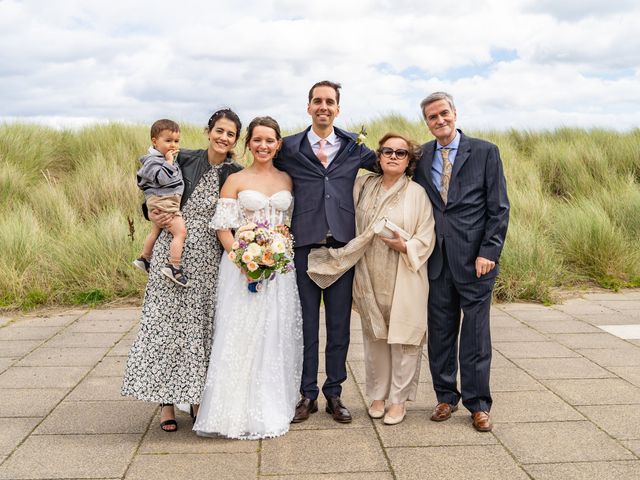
[(255, 366)]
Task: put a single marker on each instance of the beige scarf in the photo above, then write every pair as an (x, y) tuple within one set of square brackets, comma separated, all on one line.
[(326, 265)]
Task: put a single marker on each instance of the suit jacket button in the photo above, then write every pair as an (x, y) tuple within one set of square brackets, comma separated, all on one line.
[(327, 196)]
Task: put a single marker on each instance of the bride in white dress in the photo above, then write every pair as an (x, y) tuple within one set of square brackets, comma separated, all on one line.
[(256, 358)]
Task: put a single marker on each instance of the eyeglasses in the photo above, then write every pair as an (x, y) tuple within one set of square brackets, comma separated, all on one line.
[(400, 154)]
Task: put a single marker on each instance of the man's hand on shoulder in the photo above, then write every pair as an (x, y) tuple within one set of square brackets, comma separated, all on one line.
[(484, 266)]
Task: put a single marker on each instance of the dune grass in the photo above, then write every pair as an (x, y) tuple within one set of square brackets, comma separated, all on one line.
[(66, 199)]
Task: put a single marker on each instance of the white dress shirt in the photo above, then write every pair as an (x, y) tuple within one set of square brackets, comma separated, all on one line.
[(331, 148)]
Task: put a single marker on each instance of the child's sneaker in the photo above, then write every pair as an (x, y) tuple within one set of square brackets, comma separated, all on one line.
[(142, 263), (175, 274)]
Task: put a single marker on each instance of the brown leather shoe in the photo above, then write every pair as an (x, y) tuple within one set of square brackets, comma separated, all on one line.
[(338, 411), (304, 408), (482, 421), (443, 412)]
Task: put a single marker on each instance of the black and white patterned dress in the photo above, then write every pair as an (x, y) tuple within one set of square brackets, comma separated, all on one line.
[(169, 358)]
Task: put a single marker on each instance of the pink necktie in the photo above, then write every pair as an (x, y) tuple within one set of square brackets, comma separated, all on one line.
[(321, 154)]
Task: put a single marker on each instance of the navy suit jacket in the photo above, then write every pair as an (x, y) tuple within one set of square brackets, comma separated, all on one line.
[(323, 198), (474, 221)]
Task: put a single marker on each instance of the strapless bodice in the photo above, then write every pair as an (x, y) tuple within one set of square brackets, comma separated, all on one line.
[(253, 201), (253, 206)]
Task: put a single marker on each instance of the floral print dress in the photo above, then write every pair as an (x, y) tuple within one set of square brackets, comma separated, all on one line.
[(169, 358)]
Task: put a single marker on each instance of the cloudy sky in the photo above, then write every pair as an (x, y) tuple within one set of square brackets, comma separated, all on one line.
[(535, 64)]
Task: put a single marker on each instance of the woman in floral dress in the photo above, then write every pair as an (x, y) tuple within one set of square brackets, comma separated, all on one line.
[(169, 358)]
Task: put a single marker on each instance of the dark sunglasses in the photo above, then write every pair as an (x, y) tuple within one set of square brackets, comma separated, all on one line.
[(400, 154)]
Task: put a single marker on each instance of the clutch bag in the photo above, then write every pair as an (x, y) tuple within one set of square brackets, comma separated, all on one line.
[(385, 228)]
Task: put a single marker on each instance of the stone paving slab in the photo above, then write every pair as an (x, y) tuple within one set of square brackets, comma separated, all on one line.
[(581, 306), (630, 374), (634, 446), (42, 377), (541, 368), (62, 357), (206, 466), (516, 334), (6, 362), (121, 348), (113, 314), (616, 318), (110, 367), (14, 332), (613, 357), (30, 402), (608, 391), (70, 456), (461, 463), (551, 442), (46, 321), (83, 339), (533, 350), (17, 348), (564, 407), (361, 452), (513, 380), (565, 326), (581, 471), (334, 476), (97, 418), (13, 431), (497, 360), (619, 421), (541, 406), (589, 340), (101, 326), (98, 388)]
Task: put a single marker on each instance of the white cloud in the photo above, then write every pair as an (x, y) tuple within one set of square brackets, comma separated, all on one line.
[(76, 61)]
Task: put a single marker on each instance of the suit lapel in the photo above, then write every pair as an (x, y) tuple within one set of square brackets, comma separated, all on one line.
[(428, 156), (464, 151), (346, 146), (305, 155)]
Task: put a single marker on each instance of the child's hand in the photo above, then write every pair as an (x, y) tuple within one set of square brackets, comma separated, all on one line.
[(171, 155)]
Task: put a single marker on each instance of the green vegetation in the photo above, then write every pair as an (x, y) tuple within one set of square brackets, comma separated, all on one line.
[(66, 196)]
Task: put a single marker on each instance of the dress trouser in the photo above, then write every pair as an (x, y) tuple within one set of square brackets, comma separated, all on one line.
[(392, 370), (446, 299), (337, 305)]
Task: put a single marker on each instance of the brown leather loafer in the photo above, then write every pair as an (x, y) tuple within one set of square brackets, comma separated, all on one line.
[(304, 408), (443, 412), (338, 411), (482, 421)]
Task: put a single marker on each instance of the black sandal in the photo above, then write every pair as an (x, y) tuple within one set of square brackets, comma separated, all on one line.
[(170, 422)]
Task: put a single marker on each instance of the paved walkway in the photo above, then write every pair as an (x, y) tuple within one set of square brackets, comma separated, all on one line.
[(566, 406)]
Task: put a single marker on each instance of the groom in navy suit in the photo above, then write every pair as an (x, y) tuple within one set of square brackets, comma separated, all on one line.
[(465, 182), (323, 162)]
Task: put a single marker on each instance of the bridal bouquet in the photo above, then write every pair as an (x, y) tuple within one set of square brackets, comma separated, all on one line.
[(261, 251)]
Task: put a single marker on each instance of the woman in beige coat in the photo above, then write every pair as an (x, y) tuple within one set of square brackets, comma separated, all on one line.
[(390, 288)]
